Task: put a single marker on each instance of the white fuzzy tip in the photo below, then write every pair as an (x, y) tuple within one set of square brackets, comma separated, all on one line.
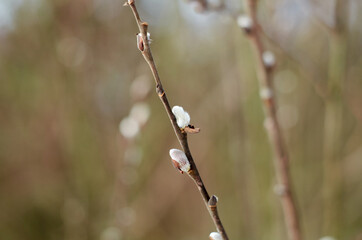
[(180, 160), (268, 59), (245, 22), (182, 117), (215, 236), (266, 93)]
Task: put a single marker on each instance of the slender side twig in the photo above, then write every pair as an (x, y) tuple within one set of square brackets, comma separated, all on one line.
[(281, 160), (181, 135)]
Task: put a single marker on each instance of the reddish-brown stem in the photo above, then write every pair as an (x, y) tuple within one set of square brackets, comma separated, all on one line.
[(281, 159), (181, 135)]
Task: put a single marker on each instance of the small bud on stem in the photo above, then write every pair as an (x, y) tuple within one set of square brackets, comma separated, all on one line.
[(266, 93), (140, 41), (245, 23), (268, 59), (213, 201)]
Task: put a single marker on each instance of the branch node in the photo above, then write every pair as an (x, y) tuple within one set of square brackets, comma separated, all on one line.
[(159, 90)]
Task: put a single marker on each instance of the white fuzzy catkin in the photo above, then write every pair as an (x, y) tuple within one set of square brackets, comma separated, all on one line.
[(268, 59), (180, 158), (215, 236), (182, 117), (244, 22)]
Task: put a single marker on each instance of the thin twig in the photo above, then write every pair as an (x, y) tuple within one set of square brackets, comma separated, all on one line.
[(273, 127), (181, 135), (282, 159)]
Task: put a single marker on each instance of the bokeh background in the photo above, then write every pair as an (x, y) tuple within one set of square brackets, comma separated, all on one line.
[(84, 139)]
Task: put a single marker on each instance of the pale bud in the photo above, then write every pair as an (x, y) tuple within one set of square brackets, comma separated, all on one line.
[(266, 93), (140, 43), (215, 236), (182, 117), (245, 22), (268, 59), (180, 160)]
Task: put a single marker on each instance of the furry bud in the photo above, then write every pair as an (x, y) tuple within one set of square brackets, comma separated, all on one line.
[(268, 59), (245, 23), (180, 160), (182, 117), (215, 236)]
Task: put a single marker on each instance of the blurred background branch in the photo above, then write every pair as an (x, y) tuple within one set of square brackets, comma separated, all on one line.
[(265, 65)]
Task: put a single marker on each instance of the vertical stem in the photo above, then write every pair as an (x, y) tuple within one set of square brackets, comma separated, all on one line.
[(281, 160), (181, 135)]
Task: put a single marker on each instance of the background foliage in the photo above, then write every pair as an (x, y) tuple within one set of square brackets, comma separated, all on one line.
[(68, 71)]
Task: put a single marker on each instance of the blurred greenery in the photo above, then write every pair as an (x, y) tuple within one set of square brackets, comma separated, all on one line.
[(70, 73)]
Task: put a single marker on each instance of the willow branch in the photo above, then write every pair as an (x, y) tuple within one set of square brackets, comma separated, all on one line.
[(181, 135), (281, 160)]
